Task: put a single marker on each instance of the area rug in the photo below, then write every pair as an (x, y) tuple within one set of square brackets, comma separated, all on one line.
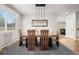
[(55, 50)]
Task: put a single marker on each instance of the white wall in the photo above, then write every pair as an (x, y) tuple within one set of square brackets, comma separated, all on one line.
[(9, 36), (61, 18), (71, 25), (27, 22), (77, 25), (61, 22)]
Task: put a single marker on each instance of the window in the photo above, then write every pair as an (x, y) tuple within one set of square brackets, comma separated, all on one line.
[(10, 22), (2, 20), (7, 20)]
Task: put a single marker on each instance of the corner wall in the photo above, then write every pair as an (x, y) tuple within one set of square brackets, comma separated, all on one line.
[(8, 37)]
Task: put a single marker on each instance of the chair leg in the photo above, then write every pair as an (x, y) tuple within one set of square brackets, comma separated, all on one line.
[(36, 41), (57, 43), (20, 43), (26, 42), (50, 42)]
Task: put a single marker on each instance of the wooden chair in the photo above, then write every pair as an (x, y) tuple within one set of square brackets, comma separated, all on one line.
[(31, 39), (44, 39), (22, 38), (57, 40)]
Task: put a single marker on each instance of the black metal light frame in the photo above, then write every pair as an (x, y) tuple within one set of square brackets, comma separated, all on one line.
[(40, 5)]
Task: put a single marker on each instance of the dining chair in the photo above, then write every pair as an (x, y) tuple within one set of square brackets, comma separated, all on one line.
[(57, 40), (22, 38), (44, 39), (31, 39), (50, 42)]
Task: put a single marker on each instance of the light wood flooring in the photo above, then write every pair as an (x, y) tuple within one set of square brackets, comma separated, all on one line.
[(70, 44)]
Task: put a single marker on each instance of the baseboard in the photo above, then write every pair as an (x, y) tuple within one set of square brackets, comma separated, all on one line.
[(8, 45), (69, 38)]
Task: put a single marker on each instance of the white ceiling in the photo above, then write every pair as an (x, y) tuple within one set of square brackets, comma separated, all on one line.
[(26, 9)]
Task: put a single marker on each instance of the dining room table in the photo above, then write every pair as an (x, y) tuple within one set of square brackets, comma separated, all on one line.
[(52, 35)]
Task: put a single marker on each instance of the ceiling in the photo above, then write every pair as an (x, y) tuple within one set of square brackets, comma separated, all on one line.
[(25, 9)]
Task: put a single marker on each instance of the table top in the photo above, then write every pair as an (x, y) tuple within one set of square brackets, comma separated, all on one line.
[(38, 34)]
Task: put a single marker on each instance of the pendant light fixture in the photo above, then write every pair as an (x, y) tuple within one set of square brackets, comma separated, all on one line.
[(40, 11), (40, 20)]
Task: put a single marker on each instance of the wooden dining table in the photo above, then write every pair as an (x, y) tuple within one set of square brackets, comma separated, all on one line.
[(52, 35)]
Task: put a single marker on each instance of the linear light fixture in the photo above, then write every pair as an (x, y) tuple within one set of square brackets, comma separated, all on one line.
[(40, 11)]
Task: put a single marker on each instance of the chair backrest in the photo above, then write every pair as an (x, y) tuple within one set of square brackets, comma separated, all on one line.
[(44, 39), (31, 39)]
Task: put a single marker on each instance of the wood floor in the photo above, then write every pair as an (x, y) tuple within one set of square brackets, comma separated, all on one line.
[(71, 44)]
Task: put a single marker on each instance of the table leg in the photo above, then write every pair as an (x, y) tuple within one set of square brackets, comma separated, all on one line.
[(50, 42), (57, 40)]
